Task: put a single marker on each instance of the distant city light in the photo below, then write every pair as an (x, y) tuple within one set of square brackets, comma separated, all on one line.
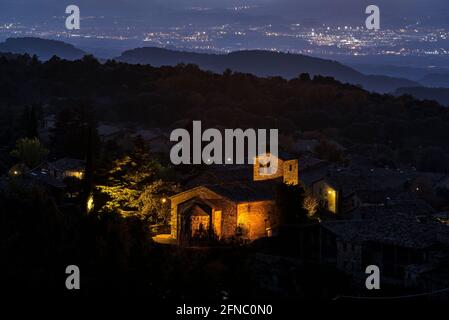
[(323, 39)]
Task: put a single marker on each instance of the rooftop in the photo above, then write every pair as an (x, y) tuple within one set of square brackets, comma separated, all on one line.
[(216, 174), (67, 164), (240, 192), (413, 208), (398, 229), (369, 182), (46, 179), (246, 192)]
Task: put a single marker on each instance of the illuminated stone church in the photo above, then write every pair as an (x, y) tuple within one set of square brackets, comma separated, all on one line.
[(231, 202)]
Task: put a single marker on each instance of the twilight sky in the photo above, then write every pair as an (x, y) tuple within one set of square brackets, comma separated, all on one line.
[(412, 31), (170, 11)]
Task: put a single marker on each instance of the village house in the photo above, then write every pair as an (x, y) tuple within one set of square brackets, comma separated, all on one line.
[(52, 176), (18, 169), (64, 168), (58, 170), (42, 178), (342, 190), (401, 245)]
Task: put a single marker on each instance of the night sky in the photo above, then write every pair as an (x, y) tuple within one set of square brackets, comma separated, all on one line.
[(297, 26), (169, 11)]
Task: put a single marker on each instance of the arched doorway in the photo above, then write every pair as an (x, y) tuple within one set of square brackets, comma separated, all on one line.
[(195, 219)]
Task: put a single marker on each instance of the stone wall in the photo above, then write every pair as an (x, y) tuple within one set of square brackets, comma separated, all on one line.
[(349, 257), (290, 172), (229, 220), (255, 217), (258, 167)]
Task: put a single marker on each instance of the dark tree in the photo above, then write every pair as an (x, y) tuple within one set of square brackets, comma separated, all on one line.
[(75, 129), (289, 202), (30, 121)]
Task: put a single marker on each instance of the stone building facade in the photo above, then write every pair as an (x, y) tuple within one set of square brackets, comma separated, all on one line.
[(242, 210), (203, 210), (269, 167)]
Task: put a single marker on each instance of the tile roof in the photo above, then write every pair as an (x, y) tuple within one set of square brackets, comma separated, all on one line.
[(217, 174), (45, 178), (246, 192), (369, 182), (67, 164), (398, 229), (304, 145), (307, 163), (413, 208)]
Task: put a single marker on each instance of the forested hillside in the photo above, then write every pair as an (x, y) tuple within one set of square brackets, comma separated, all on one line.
[(401, 129)]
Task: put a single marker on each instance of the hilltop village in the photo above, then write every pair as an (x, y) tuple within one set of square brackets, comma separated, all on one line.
[(362, 179)]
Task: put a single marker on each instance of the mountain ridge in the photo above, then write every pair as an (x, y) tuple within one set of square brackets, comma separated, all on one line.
[(43, 48), (441, 95), (265, 64), (436, 80), (257, 62)]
